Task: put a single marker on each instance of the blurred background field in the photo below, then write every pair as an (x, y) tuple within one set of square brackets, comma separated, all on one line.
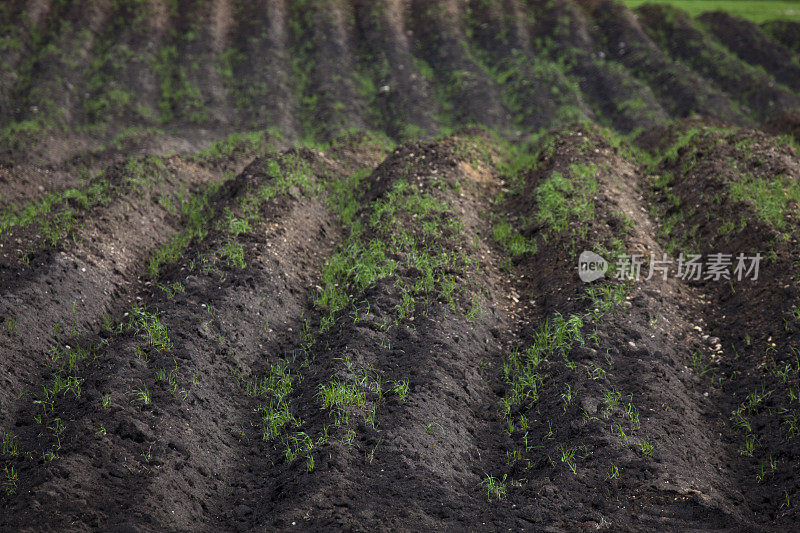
[(756, 10)]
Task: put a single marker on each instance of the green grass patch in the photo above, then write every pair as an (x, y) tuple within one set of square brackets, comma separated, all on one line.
[(57, 213), (197, 214), (403, 229), (257, 142), (772, 199), (567, 202), (150, 327), (512, 240)]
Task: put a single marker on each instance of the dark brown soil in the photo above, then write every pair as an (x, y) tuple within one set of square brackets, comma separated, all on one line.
[(754, 319), (787, 123), (177, 312), (649, 365)]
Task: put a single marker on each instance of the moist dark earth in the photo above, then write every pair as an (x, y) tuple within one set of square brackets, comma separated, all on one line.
[(273, 265)]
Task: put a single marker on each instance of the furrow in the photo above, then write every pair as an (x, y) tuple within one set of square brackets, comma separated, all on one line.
[(165, 395), (682, 38), (256, 67), (680, 90), (50, 294), (612, 94), (322, 61), (536, 89), (401, 372), (750, 44), (736, 192), (465, 92), (402, 96), (598, 384)]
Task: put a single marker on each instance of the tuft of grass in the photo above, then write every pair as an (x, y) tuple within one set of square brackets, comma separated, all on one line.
[(11, 324), (197, 213), (521, 370), (338, 396), (234, 254), (568, 457), (142, 394), (249, 142), (400, 388), (563, 201), (403, 229), (9, 481), (647, 447), (169, 379), (567, 397), (512, 240), (10, 447), (150, 327), (276, 386), (613, 472), (771, 198), (495, 487)]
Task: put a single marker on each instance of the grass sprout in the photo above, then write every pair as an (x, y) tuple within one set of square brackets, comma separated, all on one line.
[(495, 487)]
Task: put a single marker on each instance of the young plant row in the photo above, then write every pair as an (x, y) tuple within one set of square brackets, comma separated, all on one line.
[(404, 241), (544, 385)]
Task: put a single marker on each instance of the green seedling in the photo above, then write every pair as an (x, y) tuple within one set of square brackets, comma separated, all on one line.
[(150, 327), (9, 483), (613, 472), (10, 445), (11, 324), (787, 503), (495, 487), (646, 447), (429, 427), (568, 457), (766, 469), (400, 388), (566, 397), (749, 446), (142, 394)]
